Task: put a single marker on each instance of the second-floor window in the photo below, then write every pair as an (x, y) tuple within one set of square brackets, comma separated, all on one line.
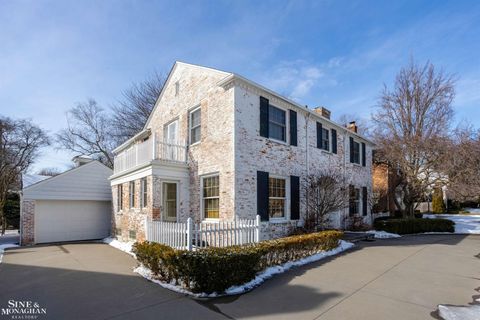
[(277, 123), (131, 194), (325, 139), (356, 152), (195, 125)]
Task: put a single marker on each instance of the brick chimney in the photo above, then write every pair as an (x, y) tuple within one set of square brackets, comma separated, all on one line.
[(324, 112), (352, 126)]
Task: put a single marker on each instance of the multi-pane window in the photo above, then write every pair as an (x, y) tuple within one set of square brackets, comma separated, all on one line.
[(211, 197), (276, 197), (325, 139), (277, 123), (354, 200), (195, 125), (356, 152), (119, 197), (131, 194), (143, 194)]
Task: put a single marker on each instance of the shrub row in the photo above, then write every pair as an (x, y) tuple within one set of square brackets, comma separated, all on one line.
[(216, 269), (407, 226)]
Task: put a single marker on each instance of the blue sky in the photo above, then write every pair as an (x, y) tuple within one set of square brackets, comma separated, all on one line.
[(338, 54)]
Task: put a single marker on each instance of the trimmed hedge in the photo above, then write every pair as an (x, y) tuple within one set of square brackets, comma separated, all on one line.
[(216, 269), (407, 226)]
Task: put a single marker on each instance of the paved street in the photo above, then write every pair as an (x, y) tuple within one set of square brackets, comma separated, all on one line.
[(387, 279)]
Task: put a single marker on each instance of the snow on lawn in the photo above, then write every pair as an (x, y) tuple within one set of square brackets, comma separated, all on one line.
[(473, 210), (459, 313), (124, 246), (5, 246), (383, 234), (259, 279), (463, 223)]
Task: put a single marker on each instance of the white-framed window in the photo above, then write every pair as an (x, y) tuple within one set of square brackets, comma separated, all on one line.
[(277, 123), (120, 197), (194, 125), (325, 139), (131, 194), (211, 197), (277, 188), (143, 194)]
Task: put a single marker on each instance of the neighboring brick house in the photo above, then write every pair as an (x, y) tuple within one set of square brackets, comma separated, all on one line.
[(218, 146)]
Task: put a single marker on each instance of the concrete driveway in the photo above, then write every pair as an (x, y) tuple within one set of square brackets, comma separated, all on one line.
[(402, 278)]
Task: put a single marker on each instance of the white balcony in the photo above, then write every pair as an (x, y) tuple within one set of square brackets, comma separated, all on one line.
[(144, 152)]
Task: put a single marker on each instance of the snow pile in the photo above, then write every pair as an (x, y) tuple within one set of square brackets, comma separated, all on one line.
[(473, 210), (124, 246), (259, 279), (464, 224), (459, 313), (383, 234), (5, 246)]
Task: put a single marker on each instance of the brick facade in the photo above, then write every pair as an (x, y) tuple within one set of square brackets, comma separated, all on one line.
[(27, 221), (232, 148)]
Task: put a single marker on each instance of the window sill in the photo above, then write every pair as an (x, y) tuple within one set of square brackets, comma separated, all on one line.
[(195, 144), (211, 220), (278, 220), (277, 141)]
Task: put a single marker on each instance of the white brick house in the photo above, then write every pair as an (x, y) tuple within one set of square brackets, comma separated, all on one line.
[(216, 143)]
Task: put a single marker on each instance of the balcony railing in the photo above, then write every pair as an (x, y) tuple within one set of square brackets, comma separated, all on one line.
[(142, 153)]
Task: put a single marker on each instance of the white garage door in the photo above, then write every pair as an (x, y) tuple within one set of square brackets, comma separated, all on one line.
[(58, 220)]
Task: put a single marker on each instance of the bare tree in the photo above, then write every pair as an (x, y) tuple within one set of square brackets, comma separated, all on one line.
[(20, 142), (89, 132), (412, 123), (132, 111), (462, 164), (325, 193), (49, 172)]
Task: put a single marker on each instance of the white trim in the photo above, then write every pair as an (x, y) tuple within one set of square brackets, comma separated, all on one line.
[(287, 208), (202, 208), (162, 199)]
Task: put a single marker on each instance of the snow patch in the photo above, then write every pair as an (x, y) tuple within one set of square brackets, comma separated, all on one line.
[(459, 312), (5, 246), (464, 224), (473, 210), (383, 234), (259, 279), (123, 246)]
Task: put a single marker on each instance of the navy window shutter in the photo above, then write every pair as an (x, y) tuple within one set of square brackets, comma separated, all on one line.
[(295, 197), (293, 128), (351, 150), (264, 103), (351, 195), (319, 135), (364, 200), (262, 195), (334, 141), (364, 160)]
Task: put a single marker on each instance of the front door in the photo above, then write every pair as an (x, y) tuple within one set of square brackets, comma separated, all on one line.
[(170, 201)]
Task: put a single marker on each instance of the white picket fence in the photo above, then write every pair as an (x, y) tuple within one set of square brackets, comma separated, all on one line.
[(190, 235)]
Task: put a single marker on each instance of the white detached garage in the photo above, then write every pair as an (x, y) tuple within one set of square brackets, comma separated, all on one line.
[(74, 205)]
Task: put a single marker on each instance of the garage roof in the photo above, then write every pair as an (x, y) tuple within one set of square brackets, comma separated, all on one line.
[(86, 182)]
